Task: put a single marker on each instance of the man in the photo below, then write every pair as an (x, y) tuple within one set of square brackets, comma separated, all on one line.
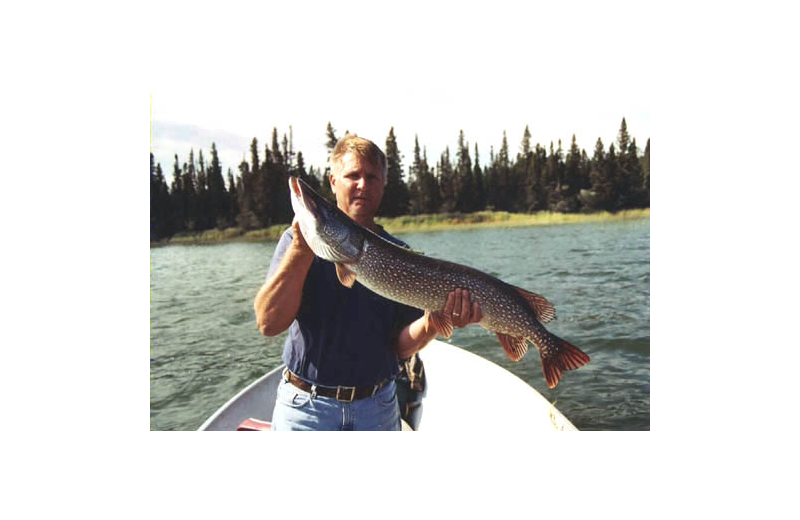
[(343, 344)]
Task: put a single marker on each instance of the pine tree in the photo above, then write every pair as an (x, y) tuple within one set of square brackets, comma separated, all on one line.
[(590, 197), (218, 197), (446, 182), (635, 177), (325, 184), (415, 182), (585, 169), (258, 187), (276, 156), (434, 201), (178, 198), (247, 217), (480, 186), (557, 194), (522, 177), (285, 148), (204, 218), (330, 144), (278, 181), (572, 178), (464, 181), (525, 145), (536, 196), (646, 174), (499, 188), (290, 154), (426, 199), (189, 184), (490, 182), (160, 209), (550, 179), (395, 195), (299, 170), (154, 207), (255, 162), (627, 178), (611, 167), (623, 138), (201, 172), (312, 178), (232, 199), (572, 167)]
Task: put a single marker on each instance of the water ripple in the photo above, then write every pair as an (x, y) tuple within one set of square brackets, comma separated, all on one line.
[(204, 346)]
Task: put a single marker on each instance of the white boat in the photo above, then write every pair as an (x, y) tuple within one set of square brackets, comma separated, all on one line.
[(459, 386)]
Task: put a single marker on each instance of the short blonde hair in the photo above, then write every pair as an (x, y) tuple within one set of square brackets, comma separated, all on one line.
[(364, 149)]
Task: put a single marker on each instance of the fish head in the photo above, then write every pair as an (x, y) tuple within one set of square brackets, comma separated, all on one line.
[(328, 231)]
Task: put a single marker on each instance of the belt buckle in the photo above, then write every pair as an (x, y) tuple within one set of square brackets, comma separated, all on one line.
[(352, 390)]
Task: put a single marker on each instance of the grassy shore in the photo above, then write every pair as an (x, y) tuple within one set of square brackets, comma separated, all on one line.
[(233, 234), (490, 219), (421, 224)]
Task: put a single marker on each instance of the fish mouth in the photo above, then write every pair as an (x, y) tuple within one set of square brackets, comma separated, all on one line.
[(330, 233), (302, 195)]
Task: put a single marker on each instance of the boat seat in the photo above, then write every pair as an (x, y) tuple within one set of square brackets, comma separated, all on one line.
[(254, 425)]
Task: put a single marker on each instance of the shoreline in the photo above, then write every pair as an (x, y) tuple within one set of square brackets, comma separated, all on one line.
[(419, 224)]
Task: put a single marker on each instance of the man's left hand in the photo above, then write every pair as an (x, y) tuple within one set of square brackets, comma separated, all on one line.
[(461, 310)]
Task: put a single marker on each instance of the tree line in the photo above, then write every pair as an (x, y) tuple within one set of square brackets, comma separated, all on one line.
[(537, 179)]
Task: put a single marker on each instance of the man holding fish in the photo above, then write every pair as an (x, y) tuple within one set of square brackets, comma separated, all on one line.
[(344, 340)]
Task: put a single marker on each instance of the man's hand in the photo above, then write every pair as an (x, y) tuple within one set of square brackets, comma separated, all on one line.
[(419, 333), (299, 241), (278, 300), (461, 310)]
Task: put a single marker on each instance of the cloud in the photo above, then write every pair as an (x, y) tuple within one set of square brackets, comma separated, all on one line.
[(179, 138)]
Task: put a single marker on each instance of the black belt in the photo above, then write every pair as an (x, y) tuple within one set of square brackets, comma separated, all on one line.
[(346, 394)]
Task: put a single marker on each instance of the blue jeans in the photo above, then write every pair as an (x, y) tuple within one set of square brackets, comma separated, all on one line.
[(299, 410)]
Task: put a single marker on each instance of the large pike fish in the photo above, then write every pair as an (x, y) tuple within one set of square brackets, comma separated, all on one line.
[(404, 276)]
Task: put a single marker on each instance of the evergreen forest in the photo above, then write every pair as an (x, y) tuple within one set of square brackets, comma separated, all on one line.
[(200, 197)]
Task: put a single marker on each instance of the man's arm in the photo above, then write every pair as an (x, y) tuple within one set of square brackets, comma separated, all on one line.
[(420, 332), (278, 300)]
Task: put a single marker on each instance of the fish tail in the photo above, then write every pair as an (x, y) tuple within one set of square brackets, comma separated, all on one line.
[(559, 355)]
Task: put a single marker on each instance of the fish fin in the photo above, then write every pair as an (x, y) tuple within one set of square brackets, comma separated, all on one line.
[(544, 310), (442, 323), (564, 357), (345, 275), (515, 347)]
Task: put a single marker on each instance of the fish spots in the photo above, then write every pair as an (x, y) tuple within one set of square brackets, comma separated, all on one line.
[(425, 283)]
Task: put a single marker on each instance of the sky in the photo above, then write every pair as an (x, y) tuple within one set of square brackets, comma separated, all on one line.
[(181, 120)]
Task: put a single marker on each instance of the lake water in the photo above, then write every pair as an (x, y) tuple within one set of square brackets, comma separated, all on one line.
[(204, 345)]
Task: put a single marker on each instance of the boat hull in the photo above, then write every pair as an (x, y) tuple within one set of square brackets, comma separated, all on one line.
[(462, 390)]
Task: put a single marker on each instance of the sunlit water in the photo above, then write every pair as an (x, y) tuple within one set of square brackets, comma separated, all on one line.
[(204, 345)]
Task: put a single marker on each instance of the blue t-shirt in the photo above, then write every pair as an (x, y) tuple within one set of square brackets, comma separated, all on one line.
[(342, 336)]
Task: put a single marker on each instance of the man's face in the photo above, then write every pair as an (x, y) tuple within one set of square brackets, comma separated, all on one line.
[(358, 188)]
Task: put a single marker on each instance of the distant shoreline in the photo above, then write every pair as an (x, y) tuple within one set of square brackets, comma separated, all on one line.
[(419, 224)]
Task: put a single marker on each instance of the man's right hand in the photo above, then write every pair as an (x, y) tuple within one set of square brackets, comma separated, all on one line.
[(299, 243), (278, 300)]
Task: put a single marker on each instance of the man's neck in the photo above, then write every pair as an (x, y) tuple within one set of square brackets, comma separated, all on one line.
[(371, 225)]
